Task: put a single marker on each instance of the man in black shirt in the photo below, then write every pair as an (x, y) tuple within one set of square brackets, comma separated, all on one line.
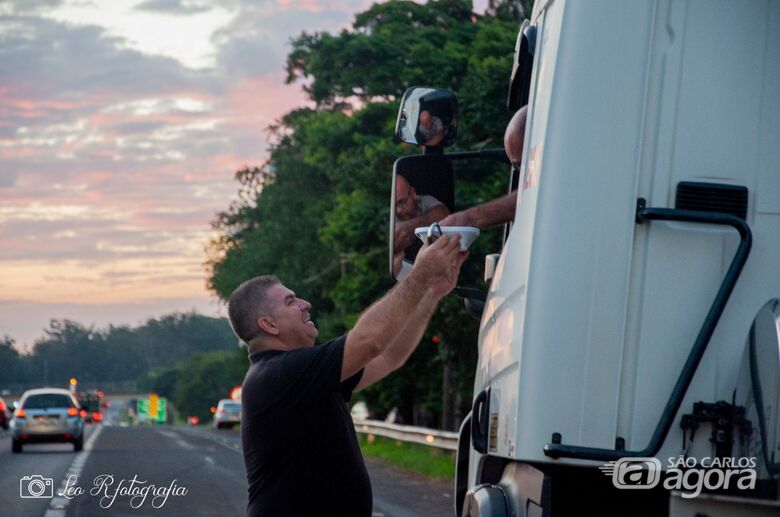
[(300, 449)]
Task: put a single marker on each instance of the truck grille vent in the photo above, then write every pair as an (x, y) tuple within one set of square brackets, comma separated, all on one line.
[(712, 197)]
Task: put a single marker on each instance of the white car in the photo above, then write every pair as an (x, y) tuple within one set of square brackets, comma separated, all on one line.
[(228, 413), (47, 415)]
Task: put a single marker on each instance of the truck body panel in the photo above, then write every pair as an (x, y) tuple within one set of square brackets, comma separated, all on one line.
[(590, 316)]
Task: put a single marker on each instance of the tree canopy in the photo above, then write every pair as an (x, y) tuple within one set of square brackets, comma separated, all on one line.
[(118, 354), (316, 213)]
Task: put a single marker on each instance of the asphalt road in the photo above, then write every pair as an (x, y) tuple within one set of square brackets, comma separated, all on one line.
[(200, 469)]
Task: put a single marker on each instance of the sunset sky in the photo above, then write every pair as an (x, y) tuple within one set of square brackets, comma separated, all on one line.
[(121, 125)]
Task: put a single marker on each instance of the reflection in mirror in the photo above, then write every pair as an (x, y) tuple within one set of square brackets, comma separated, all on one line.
[(428, 116), (422, 193)]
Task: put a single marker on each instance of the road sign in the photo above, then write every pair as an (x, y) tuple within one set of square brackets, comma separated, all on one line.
[(154, 401), (162, 411), (153, 409)]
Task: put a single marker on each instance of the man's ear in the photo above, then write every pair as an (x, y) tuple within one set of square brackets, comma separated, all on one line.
[(267, 325)]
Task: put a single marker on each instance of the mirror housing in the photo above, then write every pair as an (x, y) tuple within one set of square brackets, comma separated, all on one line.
[(428, 116)]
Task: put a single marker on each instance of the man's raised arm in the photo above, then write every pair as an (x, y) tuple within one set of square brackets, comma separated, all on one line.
[(382, 323), (398, 351)]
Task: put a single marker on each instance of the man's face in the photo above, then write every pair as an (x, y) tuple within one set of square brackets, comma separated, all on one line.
[(290, 316), (405, 200), (425, 119)]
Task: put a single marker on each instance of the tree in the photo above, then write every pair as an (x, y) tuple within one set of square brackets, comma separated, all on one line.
[(162, 381), (9, 358), (117, 354), (172, 338), (316, 213), (392, 46), (204, 379)]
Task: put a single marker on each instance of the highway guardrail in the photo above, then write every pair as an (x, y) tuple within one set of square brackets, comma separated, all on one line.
[(408, 433)]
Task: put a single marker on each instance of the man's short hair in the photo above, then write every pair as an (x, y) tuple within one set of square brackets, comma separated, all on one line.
[(247, 303)]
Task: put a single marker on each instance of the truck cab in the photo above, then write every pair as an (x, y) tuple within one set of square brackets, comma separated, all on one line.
[(629, 332)]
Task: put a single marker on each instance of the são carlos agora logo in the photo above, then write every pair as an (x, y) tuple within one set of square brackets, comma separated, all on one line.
[(688, 475)]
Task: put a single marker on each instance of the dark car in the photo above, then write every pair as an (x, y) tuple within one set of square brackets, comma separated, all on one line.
[(92, 406)]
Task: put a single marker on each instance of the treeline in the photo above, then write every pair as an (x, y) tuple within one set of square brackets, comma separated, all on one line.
[(316, 213), (113, 355), (198, 383)]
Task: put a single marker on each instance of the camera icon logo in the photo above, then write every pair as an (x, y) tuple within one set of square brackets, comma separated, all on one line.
[(634, 473), (36, 487)]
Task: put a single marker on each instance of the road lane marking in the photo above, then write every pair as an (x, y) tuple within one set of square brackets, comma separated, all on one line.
[(228, 444), (91, 441), (59, 505), (178, 439)]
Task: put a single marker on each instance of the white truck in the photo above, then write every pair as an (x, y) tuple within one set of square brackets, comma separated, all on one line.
[(629, 350)]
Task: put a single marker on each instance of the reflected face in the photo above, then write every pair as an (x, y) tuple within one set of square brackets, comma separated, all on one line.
[(405, 199), (425, 118)]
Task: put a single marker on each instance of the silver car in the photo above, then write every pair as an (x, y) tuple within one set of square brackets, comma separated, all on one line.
[(47, 415), (228, 413)]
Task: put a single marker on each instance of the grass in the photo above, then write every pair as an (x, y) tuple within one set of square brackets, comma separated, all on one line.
[(429, 461)]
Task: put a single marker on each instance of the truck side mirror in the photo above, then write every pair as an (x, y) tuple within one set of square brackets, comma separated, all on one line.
[(423, 192), (428, 116)]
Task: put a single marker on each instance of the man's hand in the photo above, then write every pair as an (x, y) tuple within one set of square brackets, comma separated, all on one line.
[(445, 287), (438, 264), (404, 235)]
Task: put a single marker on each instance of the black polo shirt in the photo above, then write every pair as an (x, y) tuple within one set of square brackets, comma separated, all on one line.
[(300, 448)]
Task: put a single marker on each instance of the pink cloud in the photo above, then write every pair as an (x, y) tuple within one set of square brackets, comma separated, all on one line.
[(95, 196), (31, 109), (18, 152), (256, 102), (218, 167), (74, 211), (315, 6), (108, 120)]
